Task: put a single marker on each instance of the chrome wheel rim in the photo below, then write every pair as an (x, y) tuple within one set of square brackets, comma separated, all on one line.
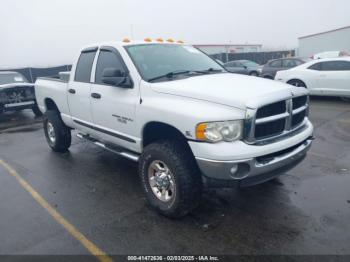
[(161, 181), (51, 132)]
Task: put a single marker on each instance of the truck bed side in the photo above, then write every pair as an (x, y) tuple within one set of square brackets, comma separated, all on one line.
[(47, 89)]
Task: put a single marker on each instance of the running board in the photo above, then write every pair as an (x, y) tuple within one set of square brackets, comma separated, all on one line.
[(114, 149)]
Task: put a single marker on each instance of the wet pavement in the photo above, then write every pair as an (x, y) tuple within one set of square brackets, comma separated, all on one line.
[(306, 211)]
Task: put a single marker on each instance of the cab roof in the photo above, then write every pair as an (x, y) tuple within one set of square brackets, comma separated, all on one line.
[(130, 43)]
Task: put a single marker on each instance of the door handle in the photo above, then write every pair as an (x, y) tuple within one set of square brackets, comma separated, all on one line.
[(96, 95), (72, 91)]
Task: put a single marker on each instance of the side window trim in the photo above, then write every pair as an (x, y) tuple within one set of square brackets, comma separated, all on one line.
[(117, 53)]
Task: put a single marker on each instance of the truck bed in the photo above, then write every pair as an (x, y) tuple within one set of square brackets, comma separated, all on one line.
[(52, 88)]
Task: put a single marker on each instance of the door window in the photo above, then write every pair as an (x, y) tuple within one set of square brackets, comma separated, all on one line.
[(107, 59), (289, 63), (276, 63), (316, 66), (335, 66), (84, 66)]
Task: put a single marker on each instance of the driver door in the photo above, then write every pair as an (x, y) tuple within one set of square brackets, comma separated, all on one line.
[(113, 107)]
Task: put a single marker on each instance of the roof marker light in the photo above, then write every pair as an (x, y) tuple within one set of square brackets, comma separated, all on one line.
[(126, 40), (180, 42), (148, 39), (160, 40), (170, 40)]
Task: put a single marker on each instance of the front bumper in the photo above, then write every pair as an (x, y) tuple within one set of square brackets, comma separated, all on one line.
[(252, 171), (259, 167), (17, 106)]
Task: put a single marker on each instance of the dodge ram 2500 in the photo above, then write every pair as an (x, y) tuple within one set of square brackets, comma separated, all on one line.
[(16, 93), (187, 121)]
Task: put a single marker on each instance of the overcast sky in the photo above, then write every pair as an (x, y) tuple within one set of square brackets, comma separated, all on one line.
[(49, 32)]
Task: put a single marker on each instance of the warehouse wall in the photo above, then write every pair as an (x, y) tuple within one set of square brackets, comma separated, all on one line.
[(332, 41)]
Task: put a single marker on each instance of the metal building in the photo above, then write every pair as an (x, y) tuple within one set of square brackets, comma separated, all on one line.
[(228, 48), (333, 40)]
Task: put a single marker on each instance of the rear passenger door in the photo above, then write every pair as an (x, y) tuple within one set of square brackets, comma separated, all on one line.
[(113, 109), (79, 89)]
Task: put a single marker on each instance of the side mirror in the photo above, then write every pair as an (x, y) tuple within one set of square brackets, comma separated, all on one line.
[(116, 77)]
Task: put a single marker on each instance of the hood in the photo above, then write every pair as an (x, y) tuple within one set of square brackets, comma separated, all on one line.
[(11, 85), (233, 90)]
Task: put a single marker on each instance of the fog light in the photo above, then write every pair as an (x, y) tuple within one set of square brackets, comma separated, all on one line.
[(234, 169), (240, 171)]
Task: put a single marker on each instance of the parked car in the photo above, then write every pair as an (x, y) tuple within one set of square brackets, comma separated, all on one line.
[(270, 69), (187, 121), (324, 77), (16, 93), (245, 67), (331, 54)]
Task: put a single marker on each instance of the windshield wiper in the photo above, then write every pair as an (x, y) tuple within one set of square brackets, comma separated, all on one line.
[(170, 75), (209, 71)]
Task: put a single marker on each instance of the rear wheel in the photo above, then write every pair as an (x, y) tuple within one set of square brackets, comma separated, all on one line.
[(254, 73), (296, 82), (170, 178), (57, 134)]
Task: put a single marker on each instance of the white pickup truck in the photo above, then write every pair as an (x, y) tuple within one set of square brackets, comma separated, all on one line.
[(186, 120)]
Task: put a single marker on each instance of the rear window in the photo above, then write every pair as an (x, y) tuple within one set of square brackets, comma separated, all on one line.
[(84, 66)]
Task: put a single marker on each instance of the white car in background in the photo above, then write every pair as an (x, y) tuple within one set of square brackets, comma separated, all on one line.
[(323, 77), (331, 54)]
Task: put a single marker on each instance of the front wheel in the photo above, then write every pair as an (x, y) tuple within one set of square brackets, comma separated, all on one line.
[(254, 73), (296, 82), (170, 178), (57, 134)]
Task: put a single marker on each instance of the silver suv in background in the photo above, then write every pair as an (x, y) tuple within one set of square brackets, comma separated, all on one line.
[(244, 67), (270, 69)]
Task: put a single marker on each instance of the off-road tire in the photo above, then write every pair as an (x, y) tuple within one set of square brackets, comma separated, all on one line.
[(178, 157), (61, 131)]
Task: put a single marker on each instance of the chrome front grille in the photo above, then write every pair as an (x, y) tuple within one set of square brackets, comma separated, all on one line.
[(18, 95), (276, 119)]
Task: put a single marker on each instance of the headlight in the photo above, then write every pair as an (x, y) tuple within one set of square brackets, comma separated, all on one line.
[(220, 131)]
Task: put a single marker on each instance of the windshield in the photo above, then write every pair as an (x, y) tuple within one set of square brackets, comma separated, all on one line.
[(9, 78), (155, 60)]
